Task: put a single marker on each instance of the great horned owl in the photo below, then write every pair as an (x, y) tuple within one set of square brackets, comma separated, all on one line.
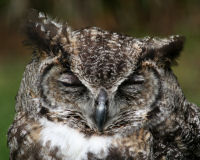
[(91, 94)]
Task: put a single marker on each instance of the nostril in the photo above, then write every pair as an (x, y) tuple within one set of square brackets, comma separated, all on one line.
[(106, 103), (96, 103)]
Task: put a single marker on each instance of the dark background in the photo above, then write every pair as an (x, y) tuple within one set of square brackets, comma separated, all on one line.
[(133, 17)]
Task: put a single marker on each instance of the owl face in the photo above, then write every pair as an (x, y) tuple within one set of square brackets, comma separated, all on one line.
[(102, 81), (90, 93)]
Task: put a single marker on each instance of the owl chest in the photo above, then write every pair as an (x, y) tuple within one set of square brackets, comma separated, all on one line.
[(70, 144)]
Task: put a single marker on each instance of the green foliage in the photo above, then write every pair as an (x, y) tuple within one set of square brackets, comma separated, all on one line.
[(3, 3), (10, 76)]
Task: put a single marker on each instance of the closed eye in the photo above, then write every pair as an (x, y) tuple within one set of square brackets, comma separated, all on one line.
[(136, 79), (69, 79)]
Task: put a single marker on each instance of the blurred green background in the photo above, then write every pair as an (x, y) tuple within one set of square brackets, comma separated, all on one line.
[(133, 17)]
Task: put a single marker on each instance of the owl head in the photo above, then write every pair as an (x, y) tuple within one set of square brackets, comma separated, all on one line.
[(98, 81)]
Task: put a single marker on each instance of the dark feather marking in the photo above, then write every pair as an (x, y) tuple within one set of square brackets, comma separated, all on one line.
[(43, 33), (164, 51), (46, 70)]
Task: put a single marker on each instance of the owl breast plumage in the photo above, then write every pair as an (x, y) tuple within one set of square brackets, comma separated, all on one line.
[(91, 94)]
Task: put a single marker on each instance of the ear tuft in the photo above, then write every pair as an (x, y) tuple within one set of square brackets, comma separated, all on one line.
[(44, 32), (164, 50)]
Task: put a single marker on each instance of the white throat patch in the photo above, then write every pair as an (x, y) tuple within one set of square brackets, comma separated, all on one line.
[(72, 144)]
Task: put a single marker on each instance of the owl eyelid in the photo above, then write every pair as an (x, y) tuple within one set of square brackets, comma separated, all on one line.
[(68, 79), (137, 79)]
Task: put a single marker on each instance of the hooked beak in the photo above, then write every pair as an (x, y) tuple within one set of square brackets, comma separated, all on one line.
[(101, 109)]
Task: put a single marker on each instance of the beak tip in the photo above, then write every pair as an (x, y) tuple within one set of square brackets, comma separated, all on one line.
[(100, 118)]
